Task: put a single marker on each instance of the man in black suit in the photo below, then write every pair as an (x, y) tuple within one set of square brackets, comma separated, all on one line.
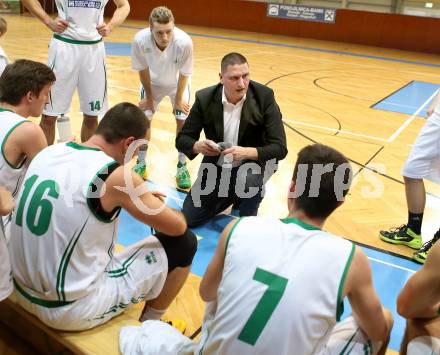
[(243, 116)]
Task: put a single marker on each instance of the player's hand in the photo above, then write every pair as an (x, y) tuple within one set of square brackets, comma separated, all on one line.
[(206, 147), (58, 25), (146, 105), (182, 106), (104, 29), (237, 153), (7, 203)]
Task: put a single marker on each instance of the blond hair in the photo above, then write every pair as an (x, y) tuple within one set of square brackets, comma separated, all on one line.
[(3, 26), (161, 14)]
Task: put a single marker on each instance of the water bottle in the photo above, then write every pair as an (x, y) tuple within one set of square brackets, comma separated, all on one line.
[(64, 129)]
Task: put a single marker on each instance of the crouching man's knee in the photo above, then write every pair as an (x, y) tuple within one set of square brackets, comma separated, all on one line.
[(180, 250)]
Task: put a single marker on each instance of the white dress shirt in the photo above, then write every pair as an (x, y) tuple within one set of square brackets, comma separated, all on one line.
[(231, 124)]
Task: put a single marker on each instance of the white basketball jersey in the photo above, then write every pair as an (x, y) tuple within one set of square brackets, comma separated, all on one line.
[(3, 60), (165, 65), (61, 242), (10, 176), (280, 291), (83, 17)]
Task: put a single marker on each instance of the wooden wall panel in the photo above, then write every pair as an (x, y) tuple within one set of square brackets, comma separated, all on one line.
[(361, 27)]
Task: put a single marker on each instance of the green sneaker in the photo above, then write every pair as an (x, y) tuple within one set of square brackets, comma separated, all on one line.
[(183, 179), (141, 169), (421, 254), (402, 235)]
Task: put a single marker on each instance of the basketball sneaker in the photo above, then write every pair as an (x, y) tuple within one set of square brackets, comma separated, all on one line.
[(402, 235), (179, 324), (421, 254), (141, 169), (183, 179)]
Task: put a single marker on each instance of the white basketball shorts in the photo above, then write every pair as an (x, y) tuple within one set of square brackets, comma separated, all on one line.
[(79, 66), (136, 274)]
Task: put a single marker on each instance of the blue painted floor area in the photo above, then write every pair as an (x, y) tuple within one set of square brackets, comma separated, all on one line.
[(390, 273), (409, 99), (118, 49)]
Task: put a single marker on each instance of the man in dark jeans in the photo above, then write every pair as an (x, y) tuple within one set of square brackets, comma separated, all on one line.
[(245, 139)]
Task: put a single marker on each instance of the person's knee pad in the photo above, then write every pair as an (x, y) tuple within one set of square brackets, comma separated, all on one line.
[(180, 250)]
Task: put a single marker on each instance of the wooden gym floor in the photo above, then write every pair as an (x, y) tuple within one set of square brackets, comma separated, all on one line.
[(325, 91)]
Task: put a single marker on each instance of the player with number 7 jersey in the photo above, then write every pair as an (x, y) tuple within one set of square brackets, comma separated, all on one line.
[(277, 286)]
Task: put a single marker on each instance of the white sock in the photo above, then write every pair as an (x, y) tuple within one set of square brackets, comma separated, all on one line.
[(182, 157), (151, 313)]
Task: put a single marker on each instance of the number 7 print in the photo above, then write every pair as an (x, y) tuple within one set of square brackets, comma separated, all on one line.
[(265, 307)]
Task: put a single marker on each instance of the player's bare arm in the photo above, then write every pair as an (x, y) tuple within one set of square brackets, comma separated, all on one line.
[(367, 308), (213, 275), (119, 16), (420, 298), (56, 25), (147, 102), (164, 219), (7, 203), (31, 139), (180, 104)]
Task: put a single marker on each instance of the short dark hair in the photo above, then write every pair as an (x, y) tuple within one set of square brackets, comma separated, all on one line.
[(123, 121), (321, 203), (232, 59), (24, 76)]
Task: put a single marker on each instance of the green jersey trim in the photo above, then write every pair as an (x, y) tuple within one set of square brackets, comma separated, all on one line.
[(2, 109), (299, 223), (125, 265), (39, 301), (77, 146), (62, 270), (20, 165), (340, 304), (74, 41), (230, 234), (94, 204)]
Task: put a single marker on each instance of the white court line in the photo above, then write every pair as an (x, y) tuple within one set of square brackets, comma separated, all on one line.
[(123, 88), (409, 120), (391, 264), (337, 130)]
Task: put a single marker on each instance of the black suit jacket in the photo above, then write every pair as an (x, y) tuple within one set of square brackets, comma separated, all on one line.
[(261, 126)]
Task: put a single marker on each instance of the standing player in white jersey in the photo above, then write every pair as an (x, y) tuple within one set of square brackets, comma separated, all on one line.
[(422, 163), (163, 56), (277, 286), (77, 56), (65, 230)]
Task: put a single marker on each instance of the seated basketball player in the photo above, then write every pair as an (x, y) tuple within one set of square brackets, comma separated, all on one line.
[(65, 228), (277, 286), (419, 302)]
